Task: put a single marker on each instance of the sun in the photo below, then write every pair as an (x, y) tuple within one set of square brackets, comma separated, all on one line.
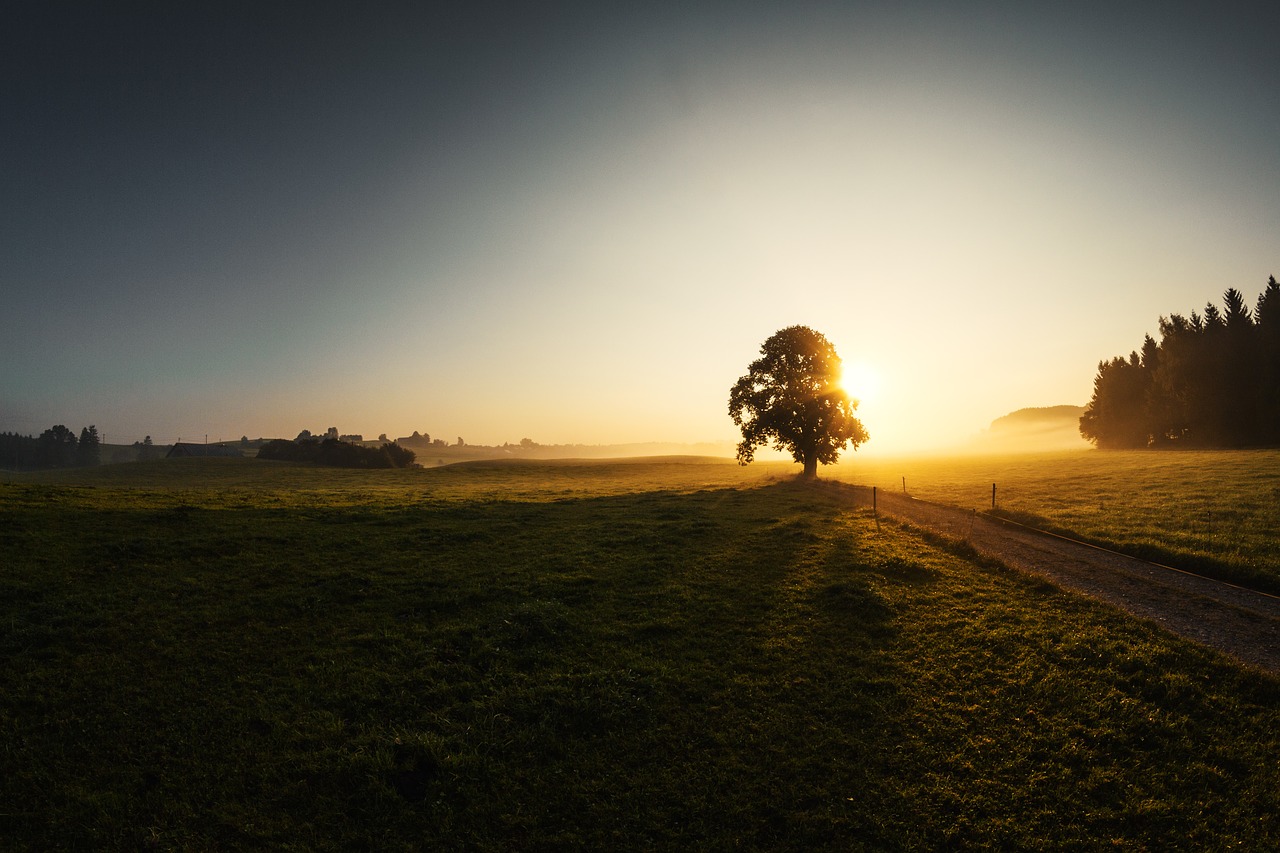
[(860, 381)]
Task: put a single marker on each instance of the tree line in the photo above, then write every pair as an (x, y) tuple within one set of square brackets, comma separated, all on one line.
[(1213, 380), (56, 447), (338, 454)]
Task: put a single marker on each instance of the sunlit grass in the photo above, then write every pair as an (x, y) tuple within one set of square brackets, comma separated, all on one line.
[(232, 481), (1213, 511), (595, 656)]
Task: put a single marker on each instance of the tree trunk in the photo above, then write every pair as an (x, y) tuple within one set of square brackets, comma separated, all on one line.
[(810, 467)]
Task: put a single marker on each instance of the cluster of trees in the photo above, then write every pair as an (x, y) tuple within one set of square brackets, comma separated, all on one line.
[(331, 432), (424, 440), (56, 447), (147, 450), (338, 454), (1213, 380)]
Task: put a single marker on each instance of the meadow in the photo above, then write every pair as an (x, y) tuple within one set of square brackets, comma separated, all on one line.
[(656, 654), (1216, 512)]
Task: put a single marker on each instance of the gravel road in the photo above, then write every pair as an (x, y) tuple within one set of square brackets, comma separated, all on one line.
[(1242, 623)]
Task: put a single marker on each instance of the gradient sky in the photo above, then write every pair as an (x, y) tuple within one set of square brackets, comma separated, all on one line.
[(578, 222)]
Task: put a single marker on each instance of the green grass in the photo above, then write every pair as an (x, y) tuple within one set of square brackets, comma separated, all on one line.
[(1216, 512), (237, 481), (674, 655)]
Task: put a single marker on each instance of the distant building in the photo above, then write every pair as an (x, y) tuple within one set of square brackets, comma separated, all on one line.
[(415, 440), (183, 450)]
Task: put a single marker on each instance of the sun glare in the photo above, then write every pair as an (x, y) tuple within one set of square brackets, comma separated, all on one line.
[(861, 381)]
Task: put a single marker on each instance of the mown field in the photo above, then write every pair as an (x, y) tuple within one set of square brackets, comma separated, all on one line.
[(661, 655), (1215, 512)]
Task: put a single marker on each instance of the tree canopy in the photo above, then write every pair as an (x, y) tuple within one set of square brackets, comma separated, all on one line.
[(791, 396), (1213, 380)]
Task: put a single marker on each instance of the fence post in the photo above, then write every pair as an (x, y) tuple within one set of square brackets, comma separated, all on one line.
[(993, 495)]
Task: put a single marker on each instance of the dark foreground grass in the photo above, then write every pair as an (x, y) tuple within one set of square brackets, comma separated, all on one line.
[(755, 668)]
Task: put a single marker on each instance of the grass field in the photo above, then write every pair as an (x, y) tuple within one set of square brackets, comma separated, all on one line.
[(673, 655), (1216, 512)]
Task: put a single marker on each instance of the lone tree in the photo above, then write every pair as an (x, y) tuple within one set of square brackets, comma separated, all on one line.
[(791, 396)]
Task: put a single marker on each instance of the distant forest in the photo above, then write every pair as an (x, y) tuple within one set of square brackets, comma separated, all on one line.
[(1213, 380), (56, 447)]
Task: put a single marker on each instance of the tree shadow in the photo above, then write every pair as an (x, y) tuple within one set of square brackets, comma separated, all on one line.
[(651, 669)]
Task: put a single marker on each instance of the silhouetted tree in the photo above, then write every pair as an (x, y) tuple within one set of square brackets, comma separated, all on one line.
[(1211, 381), (1175, 405), (89, 448), (57, 447), (19, 452), (1116, 416), (1236, 378), (791, 396), (1266, 318), (399, 457), (146, 450)]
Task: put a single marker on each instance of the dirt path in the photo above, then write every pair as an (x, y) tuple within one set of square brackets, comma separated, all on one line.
[(1239, 622)]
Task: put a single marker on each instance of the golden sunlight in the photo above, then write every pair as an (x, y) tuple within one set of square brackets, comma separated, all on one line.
[(861, 381)]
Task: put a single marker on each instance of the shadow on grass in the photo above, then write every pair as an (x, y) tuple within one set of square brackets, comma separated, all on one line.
[(727, 668), (659, 668)]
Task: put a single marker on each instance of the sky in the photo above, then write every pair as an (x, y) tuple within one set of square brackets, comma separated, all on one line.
[(577, 223)]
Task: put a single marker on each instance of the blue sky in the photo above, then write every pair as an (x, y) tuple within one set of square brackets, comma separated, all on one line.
[(578, 222)]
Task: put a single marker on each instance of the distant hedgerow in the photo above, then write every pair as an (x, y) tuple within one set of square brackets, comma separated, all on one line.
[(337, 454)]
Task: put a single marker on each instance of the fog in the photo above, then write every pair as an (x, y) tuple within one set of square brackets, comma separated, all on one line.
[(1033, 430)]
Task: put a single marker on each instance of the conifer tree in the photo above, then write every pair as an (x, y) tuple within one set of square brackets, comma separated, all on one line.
[(1213, 380), (89, 448)]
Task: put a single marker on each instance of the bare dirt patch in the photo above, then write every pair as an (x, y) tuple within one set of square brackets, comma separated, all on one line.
[(1239, 622)]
